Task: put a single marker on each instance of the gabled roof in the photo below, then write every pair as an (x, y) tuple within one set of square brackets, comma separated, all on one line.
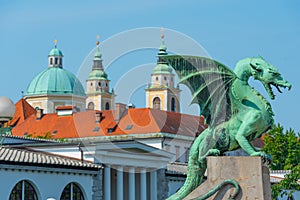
[(23, 111), (146, 120), (17, 140), (15, 156), (135, 121)]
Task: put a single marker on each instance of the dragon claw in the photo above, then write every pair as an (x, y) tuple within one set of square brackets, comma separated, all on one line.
[(214, 152), (210, 152), (265, 157)]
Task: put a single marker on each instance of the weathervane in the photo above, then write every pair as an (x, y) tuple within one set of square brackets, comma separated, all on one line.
[(162, 33), (97, 40)]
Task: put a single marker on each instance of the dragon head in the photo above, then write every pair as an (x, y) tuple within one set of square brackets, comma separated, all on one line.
[(268, 75)]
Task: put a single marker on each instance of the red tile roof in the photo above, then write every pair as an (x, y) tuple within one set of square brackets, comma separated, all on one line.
[(134, 121), (146, 120), (23, 111), (83, 124)]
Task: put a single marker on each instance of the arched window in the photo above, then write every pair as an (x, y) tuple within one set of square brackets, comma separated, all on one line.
[(72, 192), (156, 103), (51, 61), (55, 61), (91, 106), (173, 104), (23, 190), (99, 84), (156, 78), (107, 107)]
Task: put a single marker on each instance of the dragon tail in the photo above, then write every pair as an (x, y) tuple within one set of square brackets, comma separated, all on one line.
[(195, 172), (194, 178), (218, 187)]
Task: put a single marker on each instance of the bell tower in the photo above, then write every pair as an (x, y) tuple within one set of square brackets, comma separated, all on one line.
[(98, 95), (161, 93)]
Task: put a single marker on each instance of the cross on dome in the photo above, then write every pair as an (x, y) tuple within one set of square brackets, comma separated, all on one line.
[(55, 42)]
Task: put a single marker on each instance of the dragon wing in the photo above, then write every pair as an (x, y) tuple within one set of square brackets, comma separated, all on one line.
[(209, 82)]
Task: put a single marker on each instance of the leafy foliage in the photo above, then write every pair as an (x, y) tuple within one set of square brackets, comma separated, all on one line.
[(285, 150)]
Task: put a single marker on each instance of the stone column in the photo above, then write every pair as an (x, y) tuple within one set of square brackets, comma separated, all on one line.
[(107, 182), (153, 185), (120, 183), (143, 184), (98, 185), (131, 183)]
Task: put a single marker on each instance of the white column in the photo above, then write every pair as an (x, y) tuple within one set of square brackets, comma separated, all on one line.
[(153, 185), (120, 183), (131, 183), (143, 184), (107, 182)]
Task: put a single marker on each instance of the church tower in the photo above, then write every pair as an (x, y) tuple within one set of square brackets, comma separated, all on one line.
[(161, 93), (97, 85)]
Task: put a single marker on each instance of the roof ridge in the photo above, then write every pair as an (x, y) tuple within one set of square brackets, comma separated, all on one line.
[(32, 138), (32, 154)]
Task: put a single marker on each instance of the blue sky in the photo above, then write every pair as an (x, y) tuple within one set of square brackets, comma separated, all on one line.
[(228, 30)]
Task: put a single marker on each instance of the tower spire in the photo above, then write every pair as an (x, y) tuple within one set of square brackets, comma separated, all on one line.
[(98, 94), (97, 57), (162, 49)]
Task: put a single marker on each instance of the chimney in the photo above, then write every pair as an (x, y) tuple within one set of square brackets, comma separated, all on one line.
[(39, 113), (119, 111), (98, 116)]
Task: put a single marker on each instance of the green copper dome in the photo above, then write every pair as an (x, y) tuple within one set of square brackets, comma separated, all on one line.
[(98, 74), (55, 52), (162, 69), (55, 80)]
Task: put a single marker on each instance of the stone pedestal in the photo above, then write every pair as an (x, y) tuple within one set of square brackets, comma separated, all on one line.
[(250, 172)]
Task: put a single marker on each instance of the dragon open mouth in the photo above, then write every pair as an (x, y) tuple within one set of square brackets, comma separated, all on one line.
[(281, 84)]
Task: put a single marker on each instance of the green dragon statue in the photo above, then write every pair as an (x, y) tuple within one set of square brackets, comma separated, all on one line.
[(236, 113)]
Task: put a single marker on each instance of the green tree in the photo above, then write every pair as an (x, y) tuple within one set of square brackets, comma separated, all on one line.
[(285, 150)]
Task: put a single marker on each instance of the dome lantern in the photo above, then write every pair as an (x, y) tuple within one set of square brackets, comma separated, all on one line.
[(55, 57)]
